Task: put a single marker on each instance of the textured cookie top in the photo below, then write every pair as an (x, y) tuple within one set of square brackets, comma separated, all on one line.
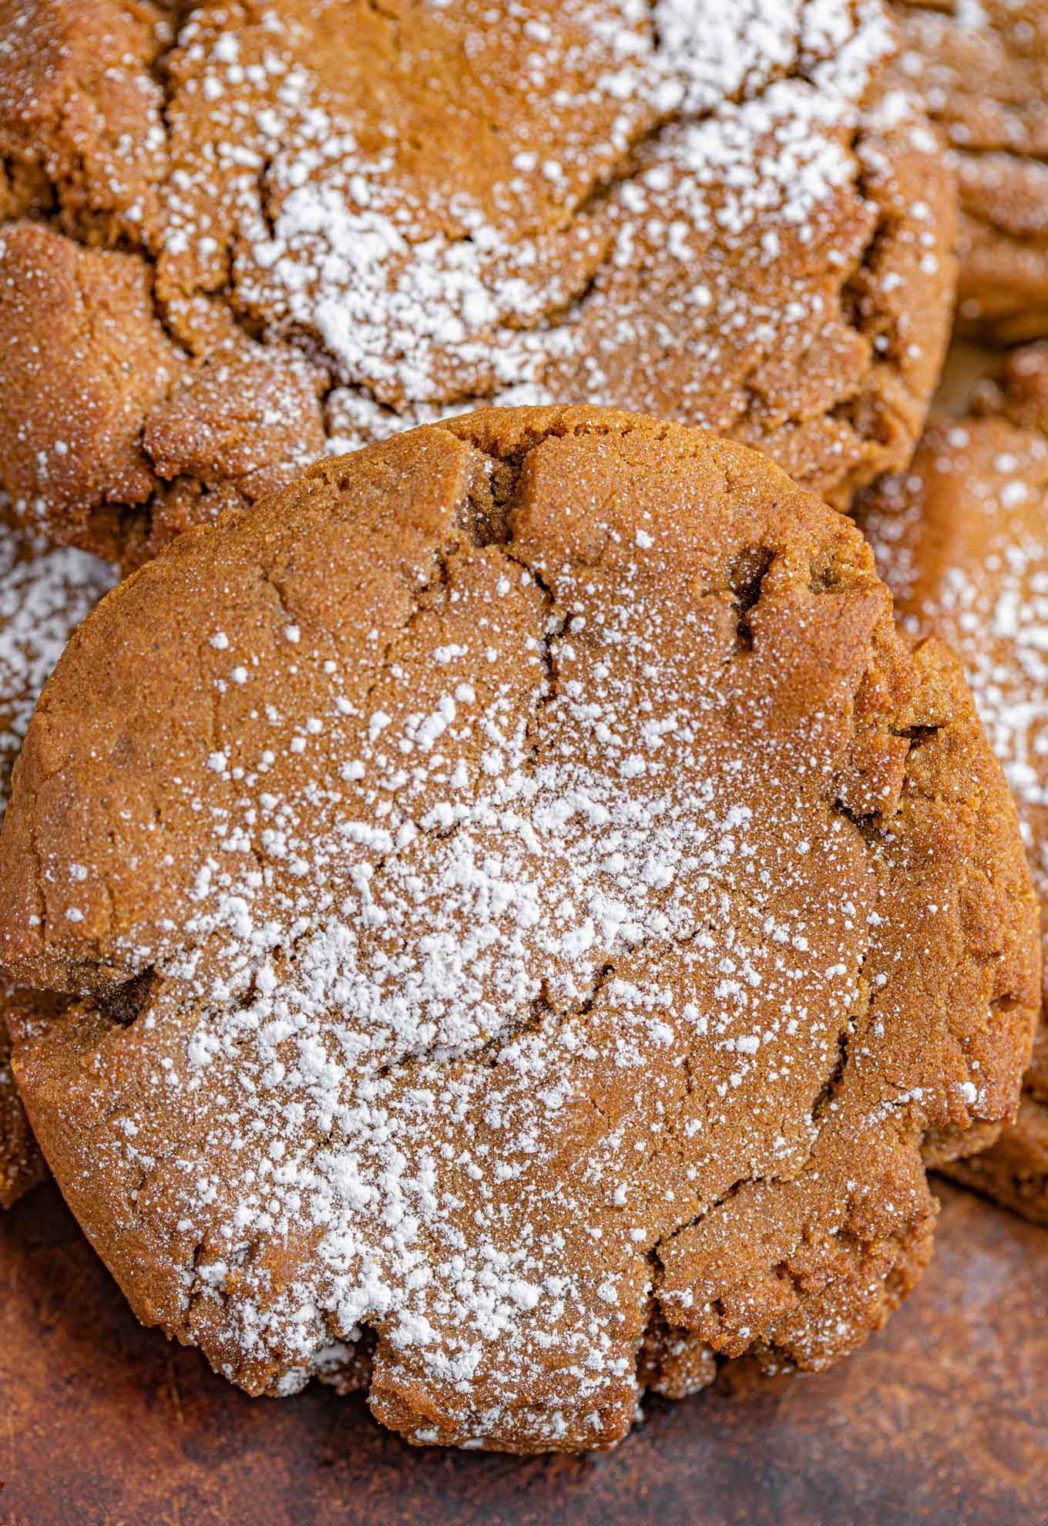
[(981, 67), (532, 909), (962, 538), (376, 214)]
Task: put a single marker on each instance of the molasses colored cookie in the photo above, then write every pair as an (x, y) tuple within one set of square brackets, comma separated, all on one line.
[(44, 594), (529, 919), (352, 217), (962, 538), (981, 67)]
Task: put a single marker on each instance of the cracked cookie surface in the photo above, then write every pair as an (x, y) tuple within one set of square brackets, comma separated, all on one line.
[(360, 215), (962, 538), (527, 912), (44, 594), (981, 67)]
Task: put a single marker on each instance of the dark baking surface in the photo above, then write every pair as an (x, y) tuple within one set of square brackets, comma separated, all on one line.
[(943, 1417)]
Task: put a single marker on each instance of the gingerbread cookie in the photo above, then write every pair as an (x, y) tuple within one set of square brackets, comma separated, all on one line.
[(981, 67), (353, 218), (527, 912), (962, 538), (44, 594)]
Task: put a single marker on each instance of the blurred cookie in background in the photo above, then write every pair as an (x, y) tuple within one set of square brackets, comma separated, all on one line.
[(962, 539), (981, 67), (44, 594), (352, 220)]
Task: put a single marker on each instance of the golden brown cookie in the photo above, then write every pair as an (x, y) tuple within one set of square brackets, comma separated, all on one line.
[(44, 594), (962, 538), (355, 216), (22, 1165), (981, 67), (528, 911)]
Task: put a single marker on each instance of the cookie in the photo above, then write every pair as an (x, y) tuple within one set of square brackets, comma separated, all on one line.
[(981, 67), (44, 594), (356, 219), (526, 912), (962, 538)]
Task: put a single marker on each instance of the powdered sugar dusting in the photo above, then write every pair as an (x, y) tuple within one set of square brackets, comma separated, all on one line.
[(418, 294), (698, 209), (984, 587), (502, 967), (1014, 708), (45, 592)]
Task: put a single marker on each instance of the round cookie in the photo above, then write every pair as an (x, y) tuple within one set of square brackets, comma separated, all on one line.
[(44, 594), (354, 219), (962, 538), (528, 913), (981, 67)]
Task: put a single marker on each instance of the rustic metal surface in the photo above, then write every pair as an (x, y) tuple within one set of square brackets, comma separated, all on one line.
[(942, 1418)]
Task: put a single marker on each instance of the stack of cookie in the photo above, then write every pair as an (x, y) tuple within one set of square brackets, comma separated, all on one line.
[(502, 917)]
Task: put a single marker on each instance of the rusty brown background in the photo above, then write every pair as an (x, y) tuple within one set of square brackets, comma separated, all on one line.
[(943, 1417)]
